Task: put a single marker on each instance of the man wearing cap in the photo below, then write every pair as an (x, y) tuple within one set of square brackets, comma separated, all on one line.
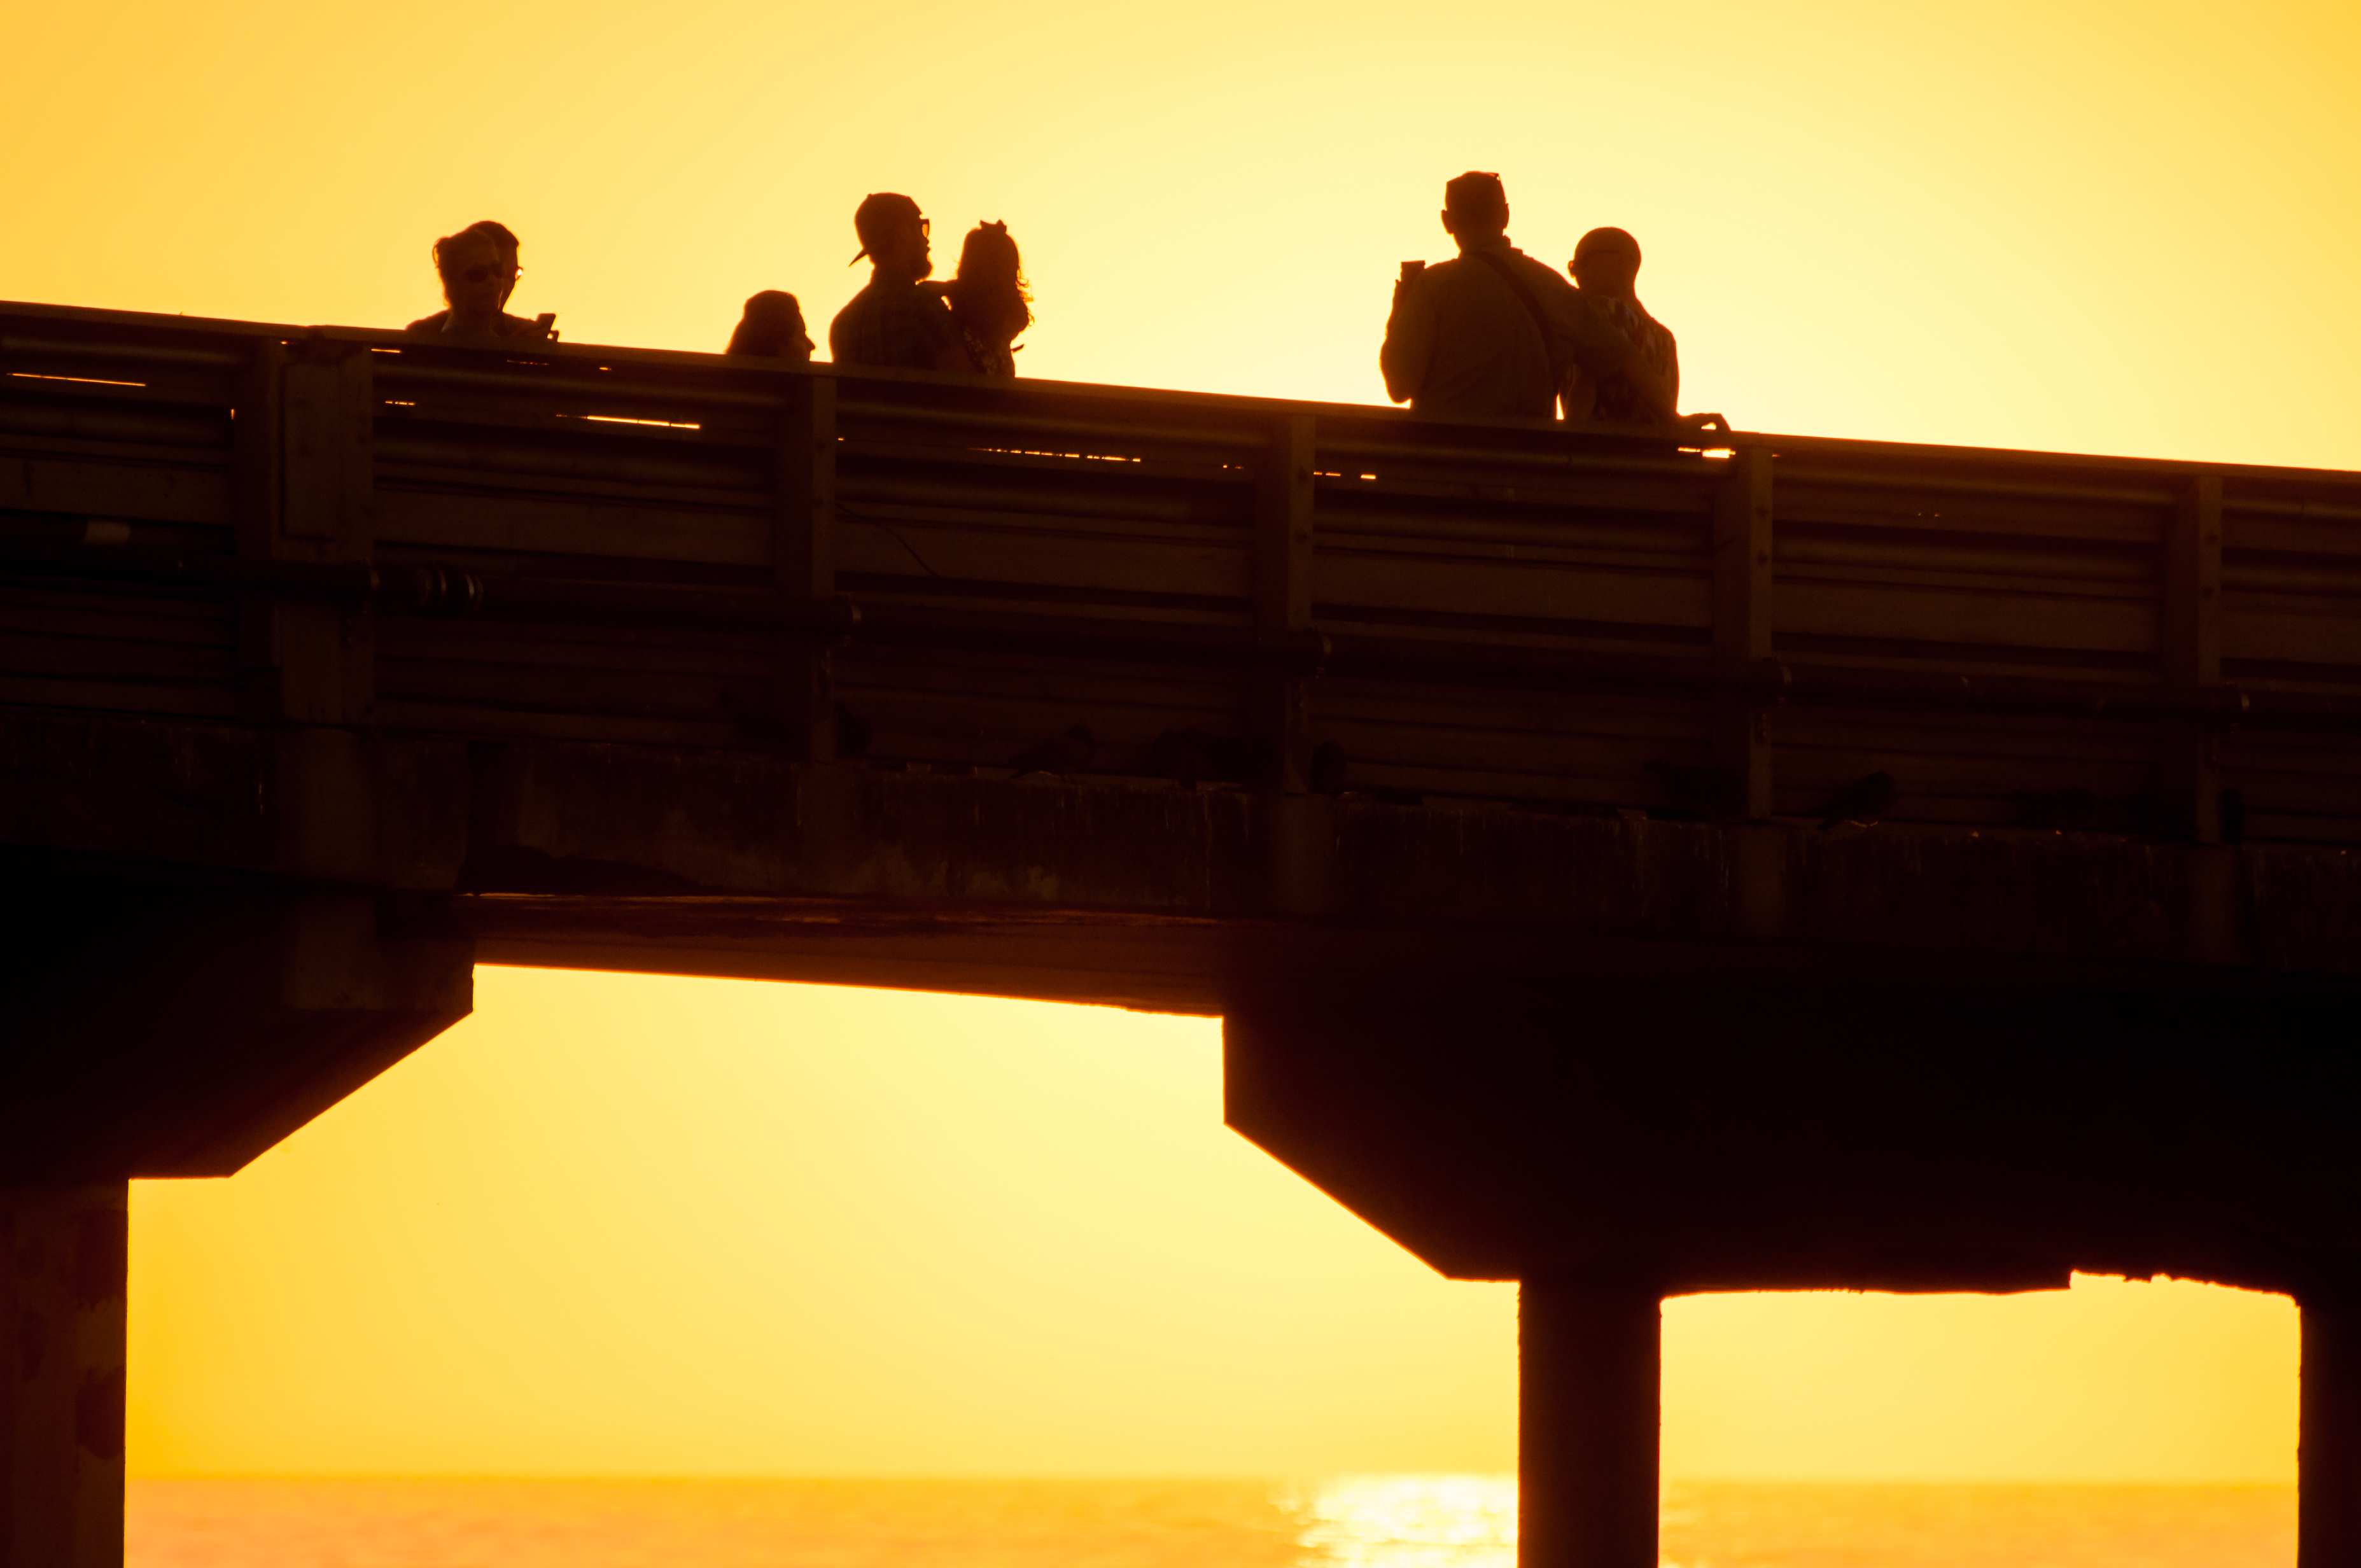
[(1490, 335), (893, 323)]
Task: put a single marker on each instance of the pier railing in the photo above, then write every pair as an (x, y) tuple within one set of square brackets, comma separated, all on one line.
[(232, 521)]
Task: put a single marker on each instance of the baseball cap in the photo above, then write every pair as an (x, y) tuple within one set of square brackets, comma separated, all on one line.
[(877, 211)]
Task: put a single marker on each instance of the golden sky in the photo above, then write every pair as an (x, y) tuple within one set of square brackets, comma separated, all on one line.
[(618, 1225)]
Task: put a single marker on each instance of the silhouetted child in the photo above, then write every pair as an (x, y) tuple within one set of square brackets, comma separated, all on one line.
[(988, 300), (479, 271), (772, 328), (894, 323), (1606, 268)]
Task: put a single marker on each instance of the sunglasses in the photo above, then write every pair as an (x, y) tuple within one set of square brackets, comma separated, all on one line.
[(482, 273)]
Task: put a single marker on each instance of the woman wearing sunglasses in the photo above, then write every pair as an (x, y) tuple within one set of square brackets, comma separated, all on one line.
[(479, 271)]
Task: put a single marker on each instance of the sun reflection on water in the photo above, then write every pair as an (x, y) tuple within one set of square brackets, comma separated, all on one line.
[(1407, 1521)]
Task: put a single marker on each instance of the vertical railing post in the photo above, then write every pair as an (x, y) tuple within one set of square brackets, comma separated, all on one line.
[(803, 553), (2191, 637), (1741, 627), (2328, 1440), (308, 662), (303, 495), (1282, 569), (63, 1266)]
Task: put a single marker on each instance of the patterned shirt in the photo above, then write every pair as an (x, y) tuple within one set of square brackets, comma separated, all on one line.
[(894, 326), (990, 359), (1619, 400)]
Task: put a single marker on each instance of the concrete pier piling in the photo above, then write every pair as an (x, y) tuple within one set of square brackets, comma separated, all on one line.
[(2328, 1445), (63, 1270), (1588, 1363)]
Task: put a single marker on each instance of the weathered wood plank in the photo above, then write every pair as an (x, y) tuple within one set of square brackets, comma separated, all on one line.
[(2284, 629), (552, 527), (884, 545), (2080, 623), (1476, 592), (95, 486), (189, 699)]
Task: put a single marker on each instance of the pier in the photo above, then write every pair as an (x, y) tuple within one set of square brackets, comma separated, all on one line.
[(1624, 866)]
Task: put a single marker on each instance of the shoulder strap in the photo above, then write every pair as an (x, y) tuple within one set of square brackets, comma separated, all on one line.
[(1506, 270), (978, 357)]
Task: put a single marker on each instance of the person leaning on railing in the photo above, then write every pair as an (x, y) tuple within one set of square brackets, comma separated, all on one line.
[(1605, 271), (1493, 332), (479, 271)]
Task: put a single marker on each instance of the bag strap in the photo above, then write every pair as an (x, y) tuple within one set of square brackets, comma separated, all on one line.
[(1506, 270)]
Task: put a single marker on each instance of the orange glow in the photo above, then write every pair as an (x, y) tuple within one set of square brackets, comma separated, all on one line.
[(627, 1225), (618, 1225)]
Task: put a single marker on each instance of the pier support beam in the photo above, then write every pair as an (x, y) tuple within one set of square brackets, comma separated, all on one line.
[(2328, 1445), (1589, 1360), (156, 1031), (62, 1256)]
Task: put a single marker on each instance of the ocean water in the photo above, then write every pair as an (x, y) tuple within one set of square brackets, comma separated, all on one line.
[(1359, 1522)]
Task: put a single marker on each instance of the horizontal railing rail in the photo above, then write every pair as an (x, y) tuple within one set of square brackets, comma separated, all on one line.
[(324, 525)]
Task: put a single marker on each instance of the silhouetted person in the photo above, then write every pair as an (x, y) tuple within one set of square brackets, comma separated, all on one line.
[(1491, 334), (479, 271), (1606, 268), (894, 323), (988, 300), (772, 328)]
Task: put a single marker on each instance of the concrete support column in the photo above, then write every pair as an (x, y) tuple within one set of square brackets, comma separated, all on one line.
[(2328, 1445), (1589, 1360), (62, 1270)]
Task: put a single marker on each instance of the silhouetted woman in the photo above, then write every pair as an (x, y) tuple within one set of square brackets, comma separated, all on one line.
[(772, 328), (988, 300), (479, 271)]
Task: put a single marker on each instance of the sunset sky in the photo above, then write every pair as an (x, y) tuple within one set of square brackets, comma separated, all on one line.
[(623, 1225)]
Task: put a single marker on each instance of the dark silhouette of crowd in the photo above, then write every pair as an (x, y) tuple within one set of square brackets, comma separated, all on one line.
[(1491, 334)]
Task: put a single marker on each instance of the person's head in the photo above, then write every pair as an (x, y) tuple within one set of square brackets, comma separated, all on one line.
[(1605, 261), (990, 291), (773, 328), (1475, 208), (892, 236), (478, 267)]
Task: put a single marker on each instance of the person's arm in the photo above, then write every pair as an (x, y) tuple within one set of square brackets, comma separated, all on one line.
[(933, 321), (1577, 393), (1594, 344), (1657, 390), (1410, 342), (1590, 340)]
